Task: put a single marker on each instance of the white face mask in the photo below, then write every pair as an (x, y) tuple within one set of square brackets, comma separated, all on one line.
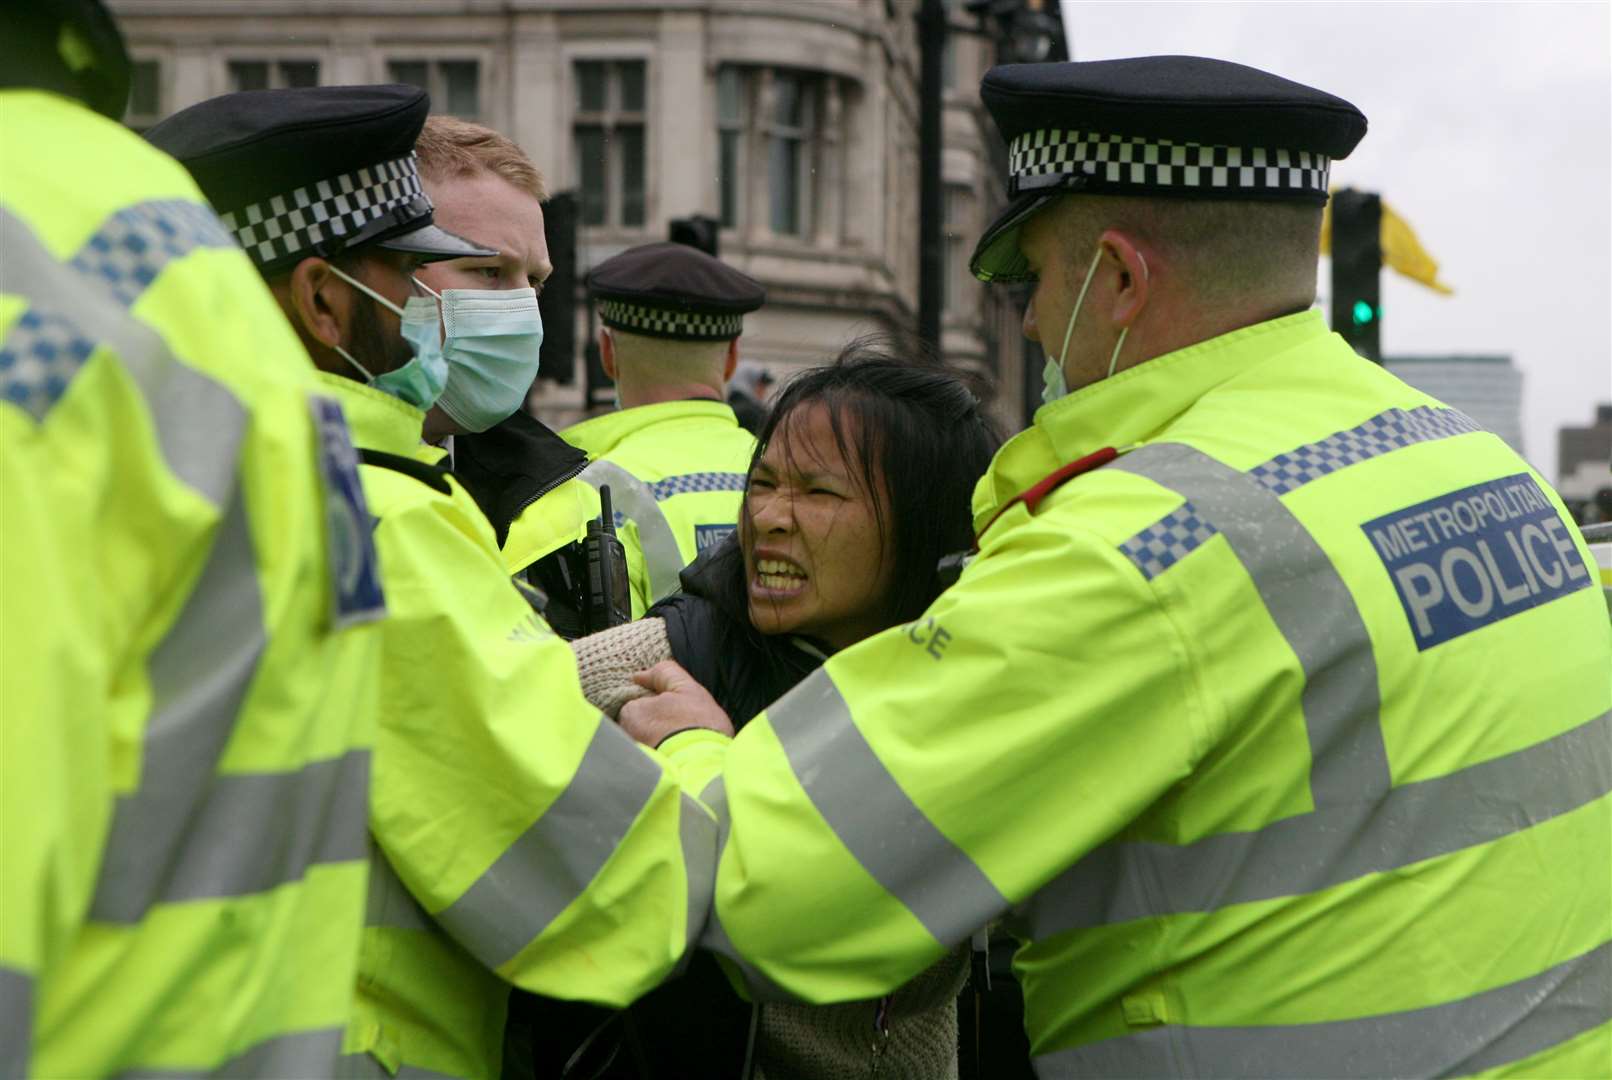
[(1053, 383), (492, 338)]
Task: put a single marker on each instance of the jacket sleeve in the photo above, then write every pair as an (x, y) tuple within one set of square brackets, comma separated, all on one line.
[(558, 852), (929, 777)]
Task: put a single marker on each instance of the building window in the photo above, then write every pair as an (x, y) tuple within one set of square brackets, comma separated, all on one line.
[(145, 94), (790, 138), (454, 85), (609, 141), (730, 129), (272, 74), (958, 298), (780, 112)]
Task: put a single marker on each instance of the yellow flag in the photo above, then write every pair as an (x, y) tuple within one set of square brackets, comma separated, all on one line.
[(1401, 250)]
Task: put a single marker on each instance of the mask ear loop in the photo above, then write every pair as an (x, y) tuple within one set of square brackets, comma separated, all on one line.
[(1079, 300), (1113, 360), (379, 299), (347, 356)]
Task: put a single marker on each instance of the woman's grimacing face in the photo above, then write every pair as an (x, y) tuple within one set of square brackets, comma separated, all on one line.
[(813, 558)]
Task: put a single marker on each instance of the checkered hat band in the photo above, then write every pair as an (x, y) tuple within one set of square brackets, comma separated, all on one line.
[(299, 220), (1046, 158), (664, 322)]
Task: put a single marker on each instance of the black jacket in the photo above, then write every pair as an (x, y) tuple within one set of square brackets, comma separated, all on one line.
[(509, 466)]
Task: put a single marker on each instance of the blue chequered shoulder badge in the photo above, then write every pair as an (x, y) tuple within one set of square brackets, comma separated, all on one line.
[(355, 572)]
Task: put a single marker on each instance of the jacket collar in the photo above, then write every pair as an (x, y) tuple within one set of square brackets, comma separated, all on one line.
[(377, 420), (602, 434), (511, 465), (1133, 407)]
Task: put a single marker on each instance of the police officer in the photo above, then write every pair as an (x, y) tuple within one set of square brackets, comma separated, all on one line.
[(187, 596), (674, 456), (519, 837), (1276, 700)]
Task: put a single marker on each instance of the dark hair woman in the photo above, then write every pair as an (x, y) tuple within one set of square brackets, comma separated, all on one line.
[(860, 483)]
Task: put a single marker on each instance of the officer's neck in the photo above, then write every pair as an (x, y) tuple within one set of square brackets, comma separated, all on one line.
[(633, 396)]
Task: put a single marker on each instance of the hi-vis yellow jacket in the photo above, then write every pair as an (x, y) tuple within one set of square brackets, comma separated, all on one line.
[(1286, 738), (188, 698), (676, 474), (520, 836)]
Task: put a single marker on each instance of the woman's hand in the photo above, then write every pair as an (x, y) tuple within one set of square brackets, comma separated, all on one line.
[(677, 704)]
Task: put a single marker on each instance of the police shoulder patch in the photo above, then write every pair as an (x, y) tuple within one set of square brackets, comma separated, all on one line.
[(355, 575), (1474, 556)]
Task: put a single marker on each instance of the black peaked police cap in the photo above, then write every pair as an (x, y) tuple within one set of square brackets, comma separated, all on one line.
[(1159, 127), (672, 290), (312, 171)]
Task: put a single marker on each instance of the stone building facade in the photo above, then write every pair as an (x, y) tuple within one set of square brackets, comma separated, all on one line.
[(793, 122)]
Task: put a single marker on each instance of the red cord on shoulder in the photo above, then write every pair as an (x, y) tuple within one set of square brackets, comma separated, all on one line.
[(1031, 496)]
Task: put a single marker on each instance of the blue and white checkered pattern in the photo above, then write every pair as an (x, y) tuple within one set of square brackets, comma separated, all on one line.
[(668, 322), (1167, 541), (43, 350), (1049, 158), (41, 354), (131, 248), (699, 481), (1384, 432), (294, 223)]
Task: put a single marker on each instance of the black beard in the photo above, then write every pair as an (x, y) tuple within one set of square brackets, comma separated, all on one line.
[(378, 350)]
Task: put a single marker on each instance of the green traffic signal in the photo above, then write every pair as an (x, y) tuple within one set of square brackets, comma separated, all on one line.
[(1364, 313)]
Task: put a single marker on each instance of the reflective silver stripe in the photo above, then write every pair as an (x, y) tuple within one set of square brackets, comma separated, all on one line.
[(1299, 855), (199, 423), (715, 797), (199, 678), (630, 496), (1457, 1038), (874, 818), (698, 834), (388, 902), (1310, 605), (365, 1067), (301, 1054), (552, 863), (16, 1022), (247, 833)]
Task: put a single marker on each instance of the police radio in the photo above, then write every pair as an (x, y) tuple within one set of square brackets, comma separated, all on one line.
[(606, 600)]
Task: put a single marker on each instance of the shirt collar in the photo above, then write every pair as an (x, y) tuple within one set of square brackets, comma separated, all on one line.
[(602, 434)]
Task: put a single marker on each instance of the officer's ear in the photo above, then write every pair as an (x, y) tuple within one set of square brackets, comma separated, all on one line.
[(732, 361), (1130, 277), (607, 352), (319, 301)]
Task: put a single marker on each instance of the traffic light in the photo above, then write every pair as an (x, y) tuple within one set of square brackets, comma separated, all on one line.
[(697, 231), (1357, 261)]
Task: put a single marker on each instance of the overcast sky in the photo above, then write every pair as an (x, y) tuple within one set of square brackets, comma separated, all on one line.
[(1490, 132)]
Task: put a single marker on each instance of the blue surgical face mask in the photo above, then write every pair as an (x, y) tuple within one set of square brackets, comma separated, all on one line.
[(420, 381), (1054, 385), (492, 338)]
